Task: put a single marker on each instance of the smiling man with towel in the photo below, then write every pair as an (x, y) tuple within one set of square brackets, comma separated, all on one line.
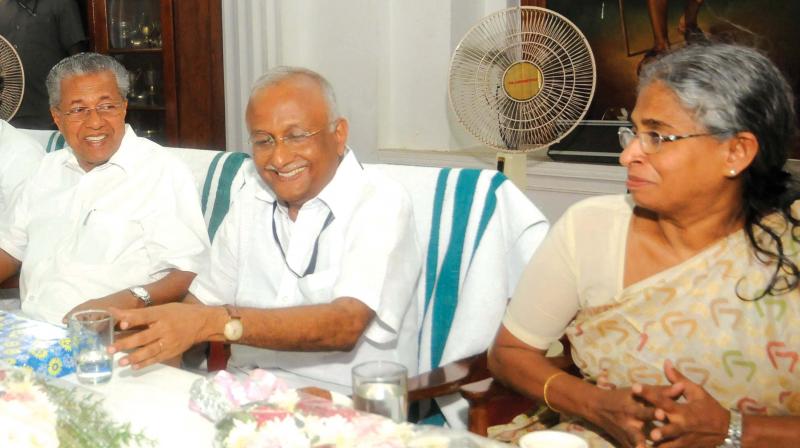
[(316, 263)]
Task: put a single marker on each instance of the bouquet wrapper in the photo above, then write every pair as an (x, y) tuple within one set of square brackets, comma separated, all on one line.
[(44, 348), (223, 393)]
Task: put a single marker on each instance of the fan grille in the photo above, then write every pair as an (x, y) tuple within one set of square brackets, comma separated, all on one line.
[(12, 80), (522, 78)]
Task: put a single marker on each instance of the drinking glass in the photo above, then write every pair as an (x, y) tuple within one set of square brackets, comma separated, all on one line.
[(380, 387), (91, 332)]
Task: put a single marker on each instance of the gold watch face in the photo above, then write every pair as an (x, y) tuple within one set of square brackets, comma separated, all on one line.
[(233, 329)]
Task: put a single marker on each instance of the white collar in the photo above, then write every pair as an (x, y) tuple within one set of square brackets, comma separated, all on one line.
[(339, 195), (126, 156)]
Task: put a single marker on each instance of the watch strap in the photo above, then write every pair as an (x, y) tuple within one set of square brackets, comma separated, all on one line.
[(233, 312), (142, 294), (734, 437)]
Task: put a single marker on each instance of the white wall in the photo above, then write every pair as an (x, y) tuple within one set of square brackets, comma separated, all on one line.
[(388, 62)]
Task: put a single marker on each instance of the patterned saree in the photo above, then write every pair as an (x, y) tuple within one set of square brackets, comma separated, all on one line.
[(745, 353)]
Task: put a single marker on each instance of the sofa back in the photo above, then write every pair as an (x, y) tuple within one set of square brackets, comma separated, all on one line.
[(476, 229)]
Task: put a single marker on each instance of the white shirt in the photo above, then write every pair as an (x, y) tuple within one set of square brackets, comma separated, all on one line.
[(369, 251), (83, 235), (19, 157)]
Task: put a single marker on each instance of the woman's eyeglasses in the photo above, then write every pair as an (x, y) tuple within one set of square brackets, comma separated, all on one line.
[(651, 140)]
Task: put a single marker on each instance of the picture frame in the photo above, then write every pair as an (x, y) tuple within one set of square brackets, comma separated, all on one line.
[(620, 33)]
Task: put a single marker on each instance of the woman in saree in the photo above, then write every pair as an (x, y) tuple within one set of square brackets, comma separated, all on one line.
[(680, 299)]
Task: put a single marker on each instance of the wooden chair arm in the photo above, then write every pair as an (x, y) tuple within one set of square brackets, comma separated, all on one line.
[(447, 379), (491, 403), (218, 354)]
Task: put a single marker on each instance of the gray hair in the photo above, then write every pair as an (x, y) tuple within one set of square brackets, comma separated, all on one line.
[(85, 64), (277, 74), (731, 88)]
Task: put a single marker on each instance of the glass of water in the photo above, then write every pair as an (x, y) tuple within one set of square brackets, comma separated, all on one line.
[(380, 387), (91, 332)]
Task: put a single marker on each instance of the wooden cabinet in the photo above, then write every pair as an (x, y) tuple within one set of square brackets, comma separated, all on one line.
[(173, 52)]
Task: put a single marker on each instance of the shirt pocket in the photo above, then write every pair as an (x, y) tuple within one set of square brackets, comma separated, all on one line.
[(318, 287), (105, 237)]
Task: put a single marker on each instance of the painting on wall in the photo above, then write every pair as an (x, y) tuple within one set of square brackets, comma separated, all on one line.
[(621, 36)]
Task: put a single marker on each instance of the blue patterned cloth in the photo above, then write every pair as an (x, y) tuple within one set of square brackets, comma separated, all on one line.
[(42, 347)]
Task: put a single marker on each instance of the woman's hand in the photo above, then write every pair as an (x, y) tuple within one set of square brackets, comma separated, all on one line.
[(622, 415), (700, 421)]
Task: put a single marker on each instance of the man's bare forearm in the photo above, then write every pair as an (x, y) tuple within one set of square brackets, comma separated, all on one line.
[(171, 288), (336, 326)]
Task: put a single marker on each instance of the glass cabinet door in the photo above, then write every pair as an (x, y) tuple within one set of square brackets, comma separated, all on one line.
[(138, 34)]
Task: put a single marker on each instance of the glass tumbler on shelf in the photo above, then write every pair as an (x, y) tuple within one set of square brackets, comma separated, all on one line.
[(91, 332), (380, 387), (124, 35), (150, 78), (120, 28)]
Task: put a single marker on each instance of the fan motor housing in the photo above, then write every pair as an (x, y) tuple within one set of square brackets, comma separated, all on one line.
[(522, 81)]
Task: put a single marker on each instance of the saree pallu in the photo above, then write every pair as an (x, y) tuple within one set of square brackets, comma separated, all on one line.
[(745, 353)]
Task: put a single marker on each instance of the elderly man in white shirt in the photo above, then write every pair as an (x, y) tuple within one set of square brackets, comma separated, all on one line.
[(316, 263), (19, 158), (112, 220)]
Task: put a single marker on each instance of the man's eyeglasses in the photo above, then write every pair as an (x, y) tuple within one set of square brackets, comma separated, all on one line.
[(81, 113), (651, 140), (294, 139)]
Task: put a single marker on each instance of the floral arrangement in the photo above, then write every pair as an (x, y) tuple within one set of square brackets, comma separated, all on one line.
[(27, 417), (262, 411), (36, 413)]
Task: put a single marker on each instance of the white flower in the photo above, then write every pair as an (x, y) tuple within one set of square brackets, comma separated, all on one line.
[(27, 417), (242, 434), (285, 399), (334, 430)]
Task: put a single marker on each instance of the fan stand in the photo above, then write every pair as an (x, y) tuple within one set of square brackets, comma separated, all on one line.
[(514, 165)]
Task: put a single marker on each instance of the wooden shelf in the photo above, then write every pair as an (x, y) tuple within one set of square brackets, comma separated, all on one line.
[(144, 50), (145, 107)]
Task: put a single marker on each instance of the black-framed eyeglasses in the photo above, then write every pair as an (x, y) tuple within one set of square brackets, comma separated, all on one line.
[(296, 138), (651, 140), (81, 113)]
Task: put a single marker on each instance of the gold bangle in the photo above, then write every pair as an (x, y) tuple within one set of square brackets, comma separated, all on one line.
[(546, 385)]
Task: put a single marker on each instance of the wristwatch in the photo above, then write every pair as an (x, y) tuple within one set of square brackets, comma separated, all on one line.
[(142, 295), (233, 328), (734, 438)]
